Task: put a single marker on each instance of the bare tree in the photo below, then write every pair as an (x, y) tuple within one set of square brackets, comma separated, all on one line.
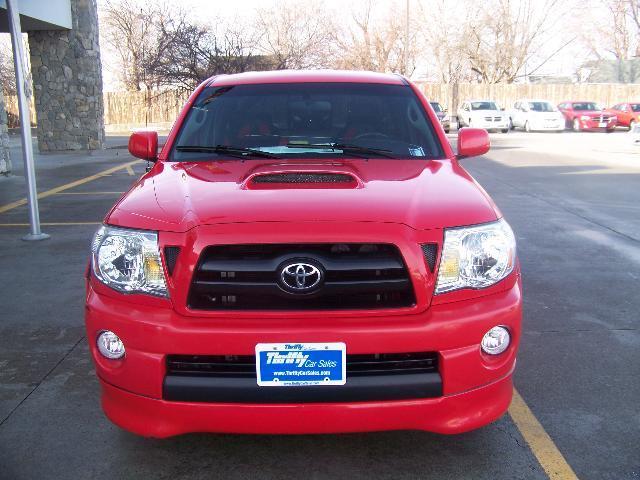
[(296, 34), (7, 72), (377, 40), (131, 30), (194, 53), (634, 13), (441, 26), (503, 36)]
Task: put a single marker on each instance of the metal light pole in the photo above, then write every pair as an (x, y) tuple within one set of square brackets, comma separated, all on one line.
[(24, 93), (406, 42)]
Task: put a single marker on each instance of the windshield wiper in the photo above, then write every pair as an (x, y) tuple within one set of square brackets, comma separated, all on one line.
[(345, 147), (240, 152)]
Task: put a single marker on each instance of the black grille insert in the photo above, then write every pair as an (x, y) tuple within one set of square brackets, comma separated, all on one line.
[(248, 277), (304, 178), (232, 378), (244, 366), (430, 252), (171, 257)]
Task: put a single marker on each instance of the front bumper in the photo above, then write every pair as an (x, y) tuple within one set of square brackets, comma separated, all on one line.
[(558, 126), (476, 388), (493, 125), (594, 124), (448, 414)]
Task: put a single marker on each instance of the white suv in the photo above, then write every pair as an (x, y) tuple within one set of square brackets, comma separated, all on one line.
[(482, 114), (536, 115)]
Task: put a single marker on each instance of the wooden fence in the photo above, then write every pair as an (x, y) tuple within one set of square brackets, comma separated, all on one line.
[(137, 109), (506, 95)]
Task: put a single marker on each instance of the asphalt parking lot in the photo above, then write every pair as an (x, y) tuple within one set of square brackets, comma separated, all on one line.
[(574, 203)]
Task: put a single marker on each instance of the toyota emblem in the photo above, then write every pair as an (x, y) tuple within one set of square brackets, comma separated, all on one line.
[(300, 277)]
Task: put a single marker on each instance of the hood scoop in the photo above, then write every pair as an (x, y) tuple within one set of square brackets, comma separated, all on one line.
[(301, 179)]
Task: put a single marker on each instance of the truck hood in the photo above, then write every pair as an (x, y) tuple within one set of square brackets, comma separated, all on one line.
[(421, 194)]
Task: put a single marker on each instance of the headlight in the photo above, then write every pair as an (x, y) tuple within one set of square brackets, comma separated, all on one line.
[(128, 261), (585, 117), (476, 257)]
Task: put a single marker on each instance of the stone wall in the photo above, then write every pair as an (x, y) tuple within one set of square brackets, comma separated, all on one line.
[(5, 160), (67, 82)]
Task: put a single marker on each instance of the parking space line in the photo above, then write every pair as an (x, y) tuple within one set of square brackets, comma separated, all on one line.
[(541, 444), (67, 186), (130, 171), (89, 193)]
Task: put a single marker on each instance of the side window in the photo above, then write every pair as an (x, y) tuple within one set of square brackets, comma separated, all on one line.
[(624, 107)]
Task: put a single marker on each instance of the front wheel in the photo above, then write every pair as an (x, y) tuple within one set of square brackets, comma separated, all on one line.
[(576, 125), (505, 130)]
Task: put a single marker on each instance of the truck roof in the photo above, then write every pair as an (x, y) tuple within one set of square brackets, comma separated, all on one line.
[(306, 76)]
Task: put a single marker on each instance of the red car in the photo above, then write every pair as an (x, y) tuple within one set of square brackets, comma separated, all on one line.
[(628, 114), (306, 255), (587, 116)]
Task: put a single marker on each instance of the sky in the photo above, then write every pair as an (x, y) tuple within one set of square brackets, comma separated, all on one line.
[(237, 11)]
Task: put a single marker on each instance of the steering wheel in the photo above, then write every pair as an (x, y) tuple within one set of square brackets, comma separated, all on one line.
[(372, 135)]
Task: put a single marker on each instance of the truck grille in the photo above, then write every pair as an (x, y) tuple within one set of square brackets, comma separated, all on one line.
[(320, 276), (357, 365)]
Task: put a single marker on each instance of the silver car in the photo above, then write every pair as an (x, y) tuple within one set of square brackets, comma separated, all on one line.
[(483, 114), (536, 115)]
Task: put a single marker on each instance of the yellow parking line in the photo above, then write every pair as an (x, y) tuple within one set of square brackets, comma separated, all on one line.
[(50, 224), (67, 186), (130, 171), (547, 453), (89, 193)]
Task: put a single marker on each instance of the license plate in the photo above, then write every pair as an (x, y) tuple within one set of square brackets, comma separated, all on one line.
[(602, 125), (301, 364)]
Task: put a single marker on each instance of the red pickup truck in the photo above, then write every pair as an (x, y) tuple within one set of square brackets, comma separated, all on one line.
[(305, 255)]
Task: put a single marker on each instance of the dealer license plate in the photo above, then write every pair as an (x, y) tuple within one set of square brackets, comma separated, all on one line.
[(602, 125), (301, 364)]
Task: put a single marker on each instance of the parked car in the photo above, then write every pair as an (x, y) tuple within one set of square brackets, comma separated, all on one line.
[(536, 115), (587, 116), (627, 114), (442, 116), (306, 255), (483, 114)]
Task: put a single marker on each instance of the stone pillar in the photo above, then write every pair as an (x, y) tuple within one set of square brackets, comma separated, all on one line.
[(5, 159), (67, 82)]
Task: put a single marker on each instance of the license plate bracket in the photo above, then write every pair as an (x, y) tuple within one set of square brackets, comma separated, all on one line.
[(301, 364)]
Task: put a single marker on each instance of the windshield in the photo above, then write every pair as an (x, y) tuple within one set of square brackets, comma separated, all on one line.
[(483, 106), (541, 107), (590, 106), (436, 106), (306, 120), (635, 107)]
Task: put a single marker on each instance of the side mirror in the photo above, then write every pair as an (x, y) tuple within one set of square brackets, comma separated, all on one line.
[(472, 142), (144, 145)]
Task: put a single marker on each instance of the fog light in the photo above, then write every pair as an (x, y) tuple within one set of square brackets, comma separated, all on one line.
[(496, 340), (110, 345)]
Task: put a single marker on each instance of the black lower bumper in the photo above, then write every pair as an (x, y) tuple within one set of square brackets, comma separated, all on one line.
[(194, 388)]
